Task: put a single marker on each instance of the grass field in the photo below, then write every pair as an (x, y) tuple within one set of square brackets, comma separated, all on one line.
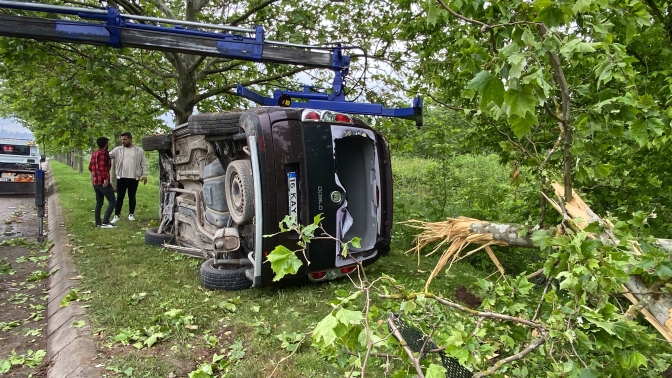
[(137, 291)]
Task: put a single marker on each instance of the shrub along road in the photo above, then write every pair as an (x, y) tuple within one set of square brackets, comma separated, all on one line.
[(23, 290)]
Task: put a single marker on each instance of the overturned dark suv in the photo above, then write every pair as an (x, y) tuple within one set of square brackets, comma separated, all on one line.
[(228, 179)]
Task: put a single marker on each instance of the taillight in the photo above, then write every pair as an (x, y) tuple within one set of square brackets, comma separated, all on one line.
[(348, 269), (311, 116), (342, 118), (318, 275)]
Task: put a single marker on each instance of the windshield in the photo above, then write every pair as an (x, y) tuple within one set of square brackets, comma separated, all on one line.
[(13, 149)]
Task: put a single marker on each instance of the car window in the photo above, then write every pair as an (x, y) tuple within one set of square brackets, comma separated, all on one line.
[(13, 149)]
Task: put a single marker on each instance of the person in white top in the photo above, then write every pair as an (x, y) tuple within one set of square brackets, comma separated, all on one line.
[(130, 167)]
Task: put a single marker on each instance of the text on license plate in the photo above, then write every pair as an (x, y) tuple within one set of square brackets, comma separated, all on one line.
[(291, 192)]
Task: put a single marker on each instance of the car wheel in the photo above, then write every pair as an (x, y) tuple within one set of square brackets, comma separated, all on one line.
[(240, 191), (225, 278), (152, 237), (223, 123), (156, 143)]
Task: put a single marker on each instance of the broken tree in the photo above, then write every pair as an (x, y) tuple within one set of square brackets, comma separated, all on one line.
[(458, 233)]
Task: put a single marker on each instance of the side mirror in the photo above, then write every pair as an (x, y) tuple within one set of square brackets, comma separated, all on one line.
[(43, 158)]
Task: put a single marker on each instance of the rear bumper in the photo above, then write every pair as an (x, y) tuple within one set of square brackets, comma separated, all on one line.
[(17, 187)]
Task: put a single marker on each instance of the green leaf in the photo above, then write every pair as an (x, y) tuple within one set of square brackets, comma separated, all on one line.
[(541, 4), (581, 6), (283, 262), (642, 129), (432, 12), (529, 39), (664, 270), (520, 102), (587, 373), (522, 126), (435, 371), (309, 230), (325, 330), (551, 16), (490, 87), (349, 317), (634, 361), (518, 63), (603, 170), (5, 366), (356, 242), (78, 324), (152, 339), (71, 296), (52, 83)]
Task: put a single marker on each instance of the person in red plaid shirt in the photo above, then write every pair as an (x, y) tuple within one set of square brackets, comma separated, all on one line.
[(100, 175)]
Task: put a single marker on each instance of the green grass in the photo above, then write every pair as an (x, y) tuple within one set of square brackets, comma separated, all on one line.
[(116, 265)]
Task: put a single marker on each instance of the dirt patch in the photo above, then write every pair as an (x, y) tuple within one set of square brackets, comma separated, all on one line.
[(23, 292), (667, 373), (467, 298)]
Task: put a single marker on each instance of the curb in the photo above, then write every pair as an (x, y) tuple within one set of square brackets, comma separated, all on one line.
[(71, 351)]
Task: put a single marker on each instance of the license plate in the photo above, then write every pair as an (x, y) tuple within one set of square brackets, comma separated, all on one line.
[(5, 179), (291, 192)]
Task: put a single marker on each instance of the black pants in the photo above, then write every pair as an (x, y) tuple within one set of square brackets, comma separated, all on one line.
[(124, 184), (101, 193)]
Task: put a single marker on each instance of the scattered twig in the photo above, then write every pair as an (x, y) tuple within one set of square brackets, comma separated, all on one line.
[(498, 365), (298, 346), (541, 300)]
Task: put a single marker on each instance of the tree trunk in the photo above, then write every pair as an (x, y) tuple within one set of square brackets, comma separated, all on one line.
[(81, 161)]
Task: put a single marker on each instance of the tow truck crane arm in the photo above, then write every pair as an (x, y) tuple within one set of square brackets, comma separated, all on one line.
[(109, 27)]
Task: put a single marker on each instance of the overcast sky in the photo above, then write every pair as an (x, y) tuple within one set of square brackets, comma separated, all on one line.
[(11, 125)]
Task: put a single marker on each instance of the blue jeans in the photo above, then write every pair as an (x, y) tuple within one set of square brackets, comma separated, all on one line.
[(101, 193)]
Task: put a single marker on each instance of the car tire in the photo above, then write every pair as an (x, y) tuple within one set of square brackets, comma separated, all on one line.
[(240, 191), (152, 237), (156, 143), (223, 123), (223, 279), (181, 130)]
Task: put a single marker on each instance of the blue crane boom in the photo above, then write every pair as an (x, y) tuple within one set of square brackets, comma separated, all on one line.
[(108, 27)]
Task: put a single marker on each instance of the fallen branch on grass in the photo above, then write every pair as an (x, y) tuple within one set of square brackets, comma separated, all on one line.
[(456, 234)]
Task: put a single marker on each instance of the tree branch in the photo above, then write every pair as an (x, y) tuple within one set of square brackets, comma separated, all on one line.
[(461, 17), (80, 3), (498, 365), (227, 88), (409, 352), (229, 67), (482, 314), (252, 10), (564, 122), (162, 100), (166, 75), (165, 9)]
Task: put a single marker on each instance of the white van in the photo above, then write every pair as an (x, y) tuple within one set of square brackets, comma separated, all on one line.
[(19, 158)]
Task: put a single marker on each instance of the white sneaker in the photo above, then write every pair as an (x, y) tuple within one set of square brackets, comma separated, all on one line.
[(131, 217), (115, 219), (107, 225)]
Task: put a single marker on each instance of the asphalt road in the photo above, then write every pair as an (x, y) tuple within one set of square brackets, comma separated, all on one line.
[(18, 217)]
